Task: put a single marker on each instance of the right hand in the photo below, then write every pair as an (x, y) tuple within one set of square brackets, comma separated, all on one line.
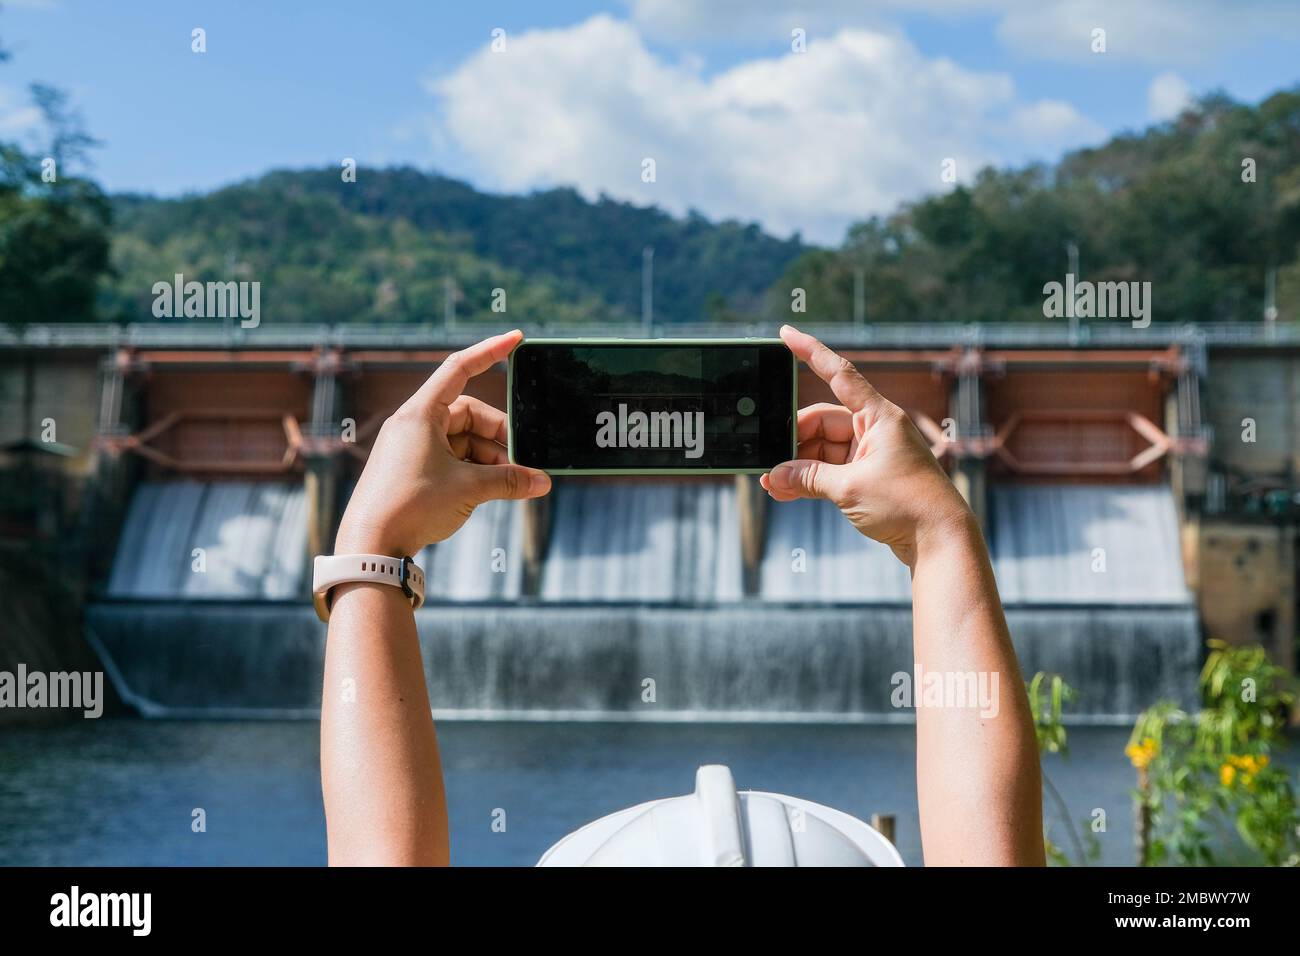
[(868, 458)]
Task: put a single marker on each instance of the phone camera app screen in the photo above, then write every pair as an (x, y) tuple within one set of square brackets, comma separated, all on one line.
[(653, 407)]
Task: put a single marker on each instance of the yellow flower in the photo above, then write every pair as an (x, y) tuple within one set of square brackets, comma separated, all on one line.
[(1142, 754), (1248, 764)]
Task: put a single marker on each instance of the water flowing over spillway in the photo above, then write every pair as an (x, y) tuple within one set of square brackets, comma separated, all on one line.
[(1086, 545), (672, 543), (249, 538), (641, 612)]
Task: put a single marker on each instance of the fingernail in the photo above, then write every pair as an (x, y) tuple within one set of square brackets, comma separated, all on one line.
[(780, 475), (539, 484)]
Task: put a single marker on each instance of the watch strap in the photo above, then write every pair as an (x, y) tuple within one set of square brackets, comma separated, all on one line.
[(329, 571)]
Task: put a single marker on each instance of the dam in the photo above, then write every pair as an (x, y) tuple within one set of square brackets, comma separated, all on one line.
[(208, 465)]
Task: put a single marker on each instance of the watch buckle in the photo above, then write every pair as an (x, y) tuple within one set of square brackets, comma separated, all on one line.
[(403, 576)]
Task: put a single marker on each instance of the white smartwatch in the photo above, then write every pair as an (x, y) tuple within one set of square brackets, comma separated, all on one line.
[(329, 571)]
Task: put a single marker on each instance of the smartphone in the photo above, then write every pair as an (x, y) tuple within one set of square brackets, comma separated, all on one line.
[(651, 406)]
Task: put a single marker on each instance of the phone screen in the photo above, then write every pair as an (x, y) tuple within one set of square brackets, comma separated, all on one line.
[(653, 407)]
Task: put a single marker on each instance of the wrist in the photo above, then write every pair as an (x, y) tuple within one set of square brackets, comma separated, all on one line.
[(366, 593), (353, 539)]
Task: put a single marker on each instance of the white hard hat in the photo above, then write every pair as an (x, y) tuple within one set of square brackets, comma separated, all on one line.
[(716, 826)]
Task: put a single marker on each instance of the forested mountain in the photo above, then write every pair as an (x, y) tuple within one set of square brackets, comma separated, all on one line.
[(382, 249), (1201, 207), (1205, 208)]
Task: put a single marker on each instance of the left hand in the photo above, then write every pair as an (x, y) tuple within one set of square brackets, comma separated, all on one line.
[(436, 458)]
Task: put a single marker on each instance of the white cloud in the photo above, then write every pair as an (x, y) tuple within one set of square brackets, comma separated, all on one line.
[(17, 114), (809, 142), (685, 20), (1158, 32), (1167, 96)]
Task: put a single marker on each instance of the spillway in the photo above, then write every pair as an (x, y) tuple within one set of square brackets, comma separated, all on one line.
[(642, 582), (217, 539)]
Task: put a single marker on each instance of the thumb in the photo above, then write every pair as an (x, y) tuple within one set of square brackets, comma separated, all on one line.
[(809, 479), (507, 481)]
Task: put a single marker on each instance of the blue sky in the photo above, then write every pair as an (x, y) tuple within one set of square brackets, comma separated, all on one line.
[(738, 123)]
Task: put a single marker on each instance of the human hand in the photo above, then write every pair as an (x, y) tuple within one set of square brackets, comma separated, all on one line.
[(436, 458), (867, 457)]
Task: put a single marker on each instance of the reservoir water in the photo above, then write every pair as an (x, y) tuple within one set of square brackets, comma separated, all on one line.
[(122, 791)]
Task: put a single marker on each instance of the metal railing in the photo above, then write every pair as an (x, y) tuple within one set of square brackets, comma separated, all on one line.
[(198, 335)]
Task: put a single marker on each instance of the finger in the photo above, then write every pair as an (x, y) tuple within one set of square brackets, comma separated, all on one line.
[(467, 446), (485, 451), (776, 494), (827, 420), (450, 378), (469, 414), (822, 449), (839, 373), (805, 478), (506, 481)]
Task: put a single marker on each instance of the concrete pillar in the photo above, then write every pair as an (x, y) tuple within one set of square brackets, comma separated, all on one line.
[(1284, 624), (751, 506), (108, 487), (1188, 471), (966, 406), (320, 483), (969, 476), (322, 455), (1190, 539), (535, 516)]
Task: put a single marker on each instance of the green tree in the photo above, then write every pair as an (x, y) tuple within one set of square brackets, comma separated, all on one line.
[(53, 223), (1203, 207)]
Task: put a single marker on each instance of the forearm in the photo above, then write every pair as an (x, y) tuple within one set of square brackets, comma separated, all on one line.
[(436, 457), (380, 772), (978, 776)]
